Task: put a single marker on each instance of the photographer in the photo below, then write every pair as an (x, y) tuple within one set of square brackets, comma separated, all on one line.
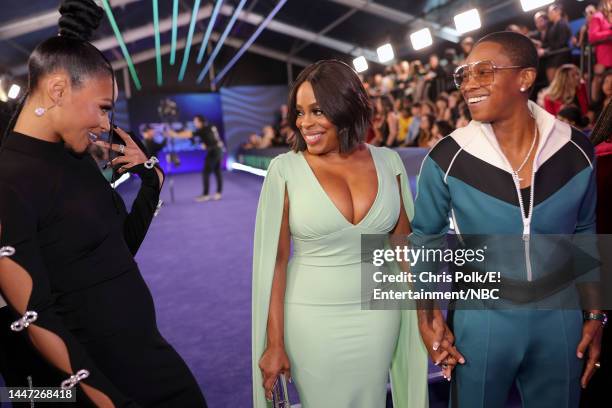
[(211, 142)]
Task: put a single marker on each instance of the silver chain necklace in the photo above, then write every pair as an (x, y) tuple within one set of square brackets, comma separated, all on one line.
[(535, 135)]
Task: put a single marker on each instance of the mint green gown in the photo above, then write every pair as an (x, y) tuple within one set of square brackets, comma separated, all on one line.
[(341, 356)]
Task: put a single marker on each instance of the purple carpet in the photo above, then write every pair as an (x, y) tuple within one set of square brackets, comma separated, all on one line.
[(197, 261)]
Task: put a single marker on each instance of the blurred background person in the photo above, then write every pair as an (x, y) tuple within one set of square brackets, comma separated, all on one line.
[(602, 94), (208, 136), (538, 36), (558, 36), (583, 34), (148, 137), (600, 29), (571, 114), (425, 135), (566, 89)]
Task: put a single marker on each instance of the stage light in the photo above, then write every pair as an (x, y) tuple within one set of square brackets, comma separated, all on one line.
[(360, 64), (194, 18), (209, 29), (529, 5), (385, 53), (175, 9), (467, 21), (250, 41), (228, 29), (124, 50), (421, 39), (249, 169), (13, 92), (158, 60)]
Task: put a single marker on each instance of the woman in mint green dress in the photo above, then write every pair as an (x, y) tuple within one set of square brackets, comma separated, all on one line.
[(308, 322)]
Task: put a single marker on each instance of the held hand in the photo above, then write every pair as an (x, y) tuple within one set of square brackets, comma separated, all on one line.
[(274, 362), (439, 341), (592, 331)]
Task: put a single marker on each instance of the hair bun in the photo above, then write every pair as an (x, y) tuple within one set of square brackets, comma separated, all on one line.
[(80, 19)]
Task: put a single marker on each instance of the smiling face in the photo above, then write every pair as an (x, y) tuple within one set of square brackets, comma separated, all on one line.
[(497, 100), (82, 110), (320, 135)]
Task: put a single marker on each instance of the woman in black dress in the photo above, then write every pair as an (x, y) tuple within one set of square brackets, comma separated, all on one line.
[(81, 316)]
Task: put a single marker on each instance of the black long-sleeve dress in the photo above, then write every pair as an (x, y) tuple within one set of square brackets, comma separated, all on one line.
[(75, 240)]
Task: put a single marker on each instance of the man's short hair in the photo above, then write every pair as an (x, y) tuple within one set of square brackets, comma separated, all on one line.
[(519, 48)]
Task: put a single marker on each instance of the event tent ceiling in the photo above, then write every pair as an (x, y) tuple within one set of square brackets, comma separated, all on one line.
[(303, 31)]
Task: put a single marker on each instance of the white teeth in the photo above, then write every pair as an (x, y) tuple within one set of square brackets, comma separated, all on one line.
[(476, 99), (312, 138)]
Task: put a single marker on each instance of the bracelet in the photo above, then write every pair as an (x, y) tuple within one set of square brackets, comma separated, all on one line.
[(149, 164), (602, 317)]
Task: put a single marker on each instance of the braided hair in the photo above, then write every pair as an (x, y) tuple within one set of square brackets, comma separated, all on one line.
[(69, 51)]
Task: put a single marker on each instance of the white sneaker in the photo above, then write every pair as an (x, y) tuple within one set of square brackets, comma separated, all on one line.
[(202, 198), (217, 196)]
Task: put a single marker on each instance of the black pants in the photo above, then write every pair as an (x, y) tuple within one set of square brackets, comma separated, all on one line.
[(212, 164)]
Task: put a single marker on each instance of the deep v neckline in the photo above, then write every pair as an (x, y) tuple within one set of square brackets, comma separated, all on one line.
[(330, 201)]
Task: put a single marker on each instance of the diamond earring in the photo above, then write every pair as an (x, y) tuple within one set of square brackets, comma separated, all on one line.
[(39, 111), (522, 89)]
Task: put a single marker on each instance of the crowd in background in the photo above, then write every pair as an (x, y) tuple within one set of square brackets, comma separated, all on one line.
[(415, 104)]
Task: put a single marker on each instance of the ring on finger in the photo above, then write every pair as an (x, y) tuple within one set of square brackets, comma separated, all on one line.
[(121, 148)]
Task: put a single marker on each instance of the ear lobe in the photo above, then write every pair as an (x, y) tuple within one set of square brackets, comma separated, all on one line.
[(528, 77)]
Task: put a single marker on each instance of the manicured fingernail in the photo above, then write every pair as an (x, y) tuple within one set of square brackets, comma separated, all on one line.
[(448, 378), (436, 363), (462, 360), (436, 345), (580, 355)]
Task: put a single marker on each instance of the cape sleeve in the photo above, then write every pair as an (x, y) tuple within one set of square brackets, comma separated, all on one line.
[(267, 230), (409, 365)]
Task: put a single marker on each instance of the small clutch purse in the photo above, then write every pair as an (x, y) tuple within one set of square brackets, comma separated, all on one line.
[(280, 397)]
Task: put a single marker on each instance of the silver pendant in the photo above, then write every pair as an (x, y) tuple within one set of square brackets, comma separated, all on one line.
[(39, 111)]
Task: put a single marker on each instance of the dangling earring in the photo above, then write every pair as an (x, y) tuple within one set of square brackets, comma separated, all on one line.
[(41, 111), (522, 89)]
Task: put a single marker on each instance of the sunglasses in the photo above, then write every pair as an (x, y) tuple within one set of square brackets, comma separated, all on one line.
[(483, 72)]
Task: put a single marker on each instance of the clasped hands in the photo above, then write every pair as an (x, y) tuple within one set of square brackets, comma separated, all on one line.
[(439, 340)]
